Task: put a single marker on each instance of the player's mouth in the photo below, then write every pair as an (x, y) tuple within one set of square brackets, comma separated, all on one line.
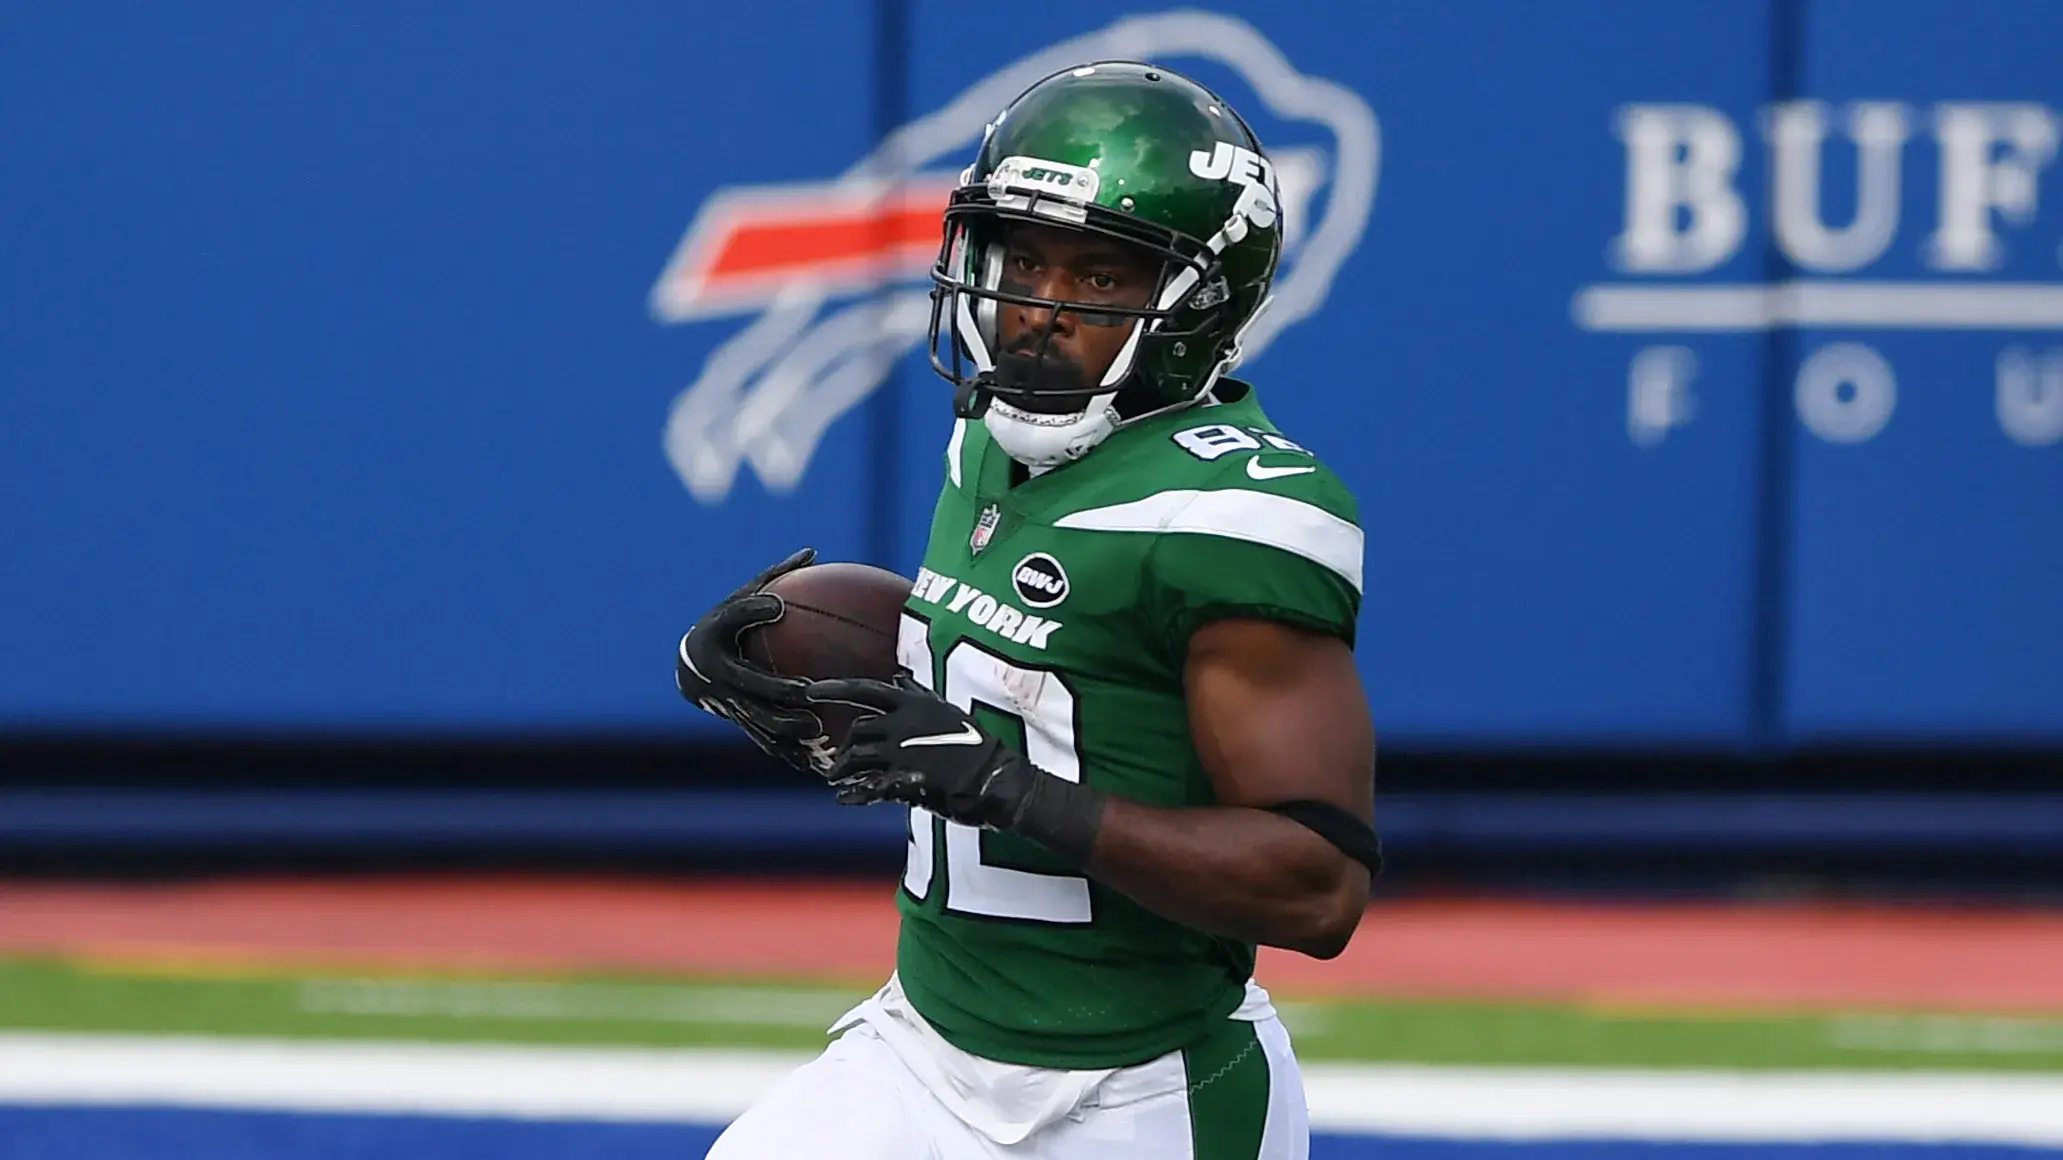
[(1045, 383)]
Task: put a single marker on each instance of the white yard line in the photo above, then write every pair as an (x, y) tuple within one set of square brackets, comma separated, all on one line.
[(525, 1082), (1564, 1103), (710, 1086)]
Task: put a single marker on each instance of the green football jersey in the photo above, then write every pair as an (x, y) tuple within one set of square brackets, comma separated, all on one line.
[(1059, 612)]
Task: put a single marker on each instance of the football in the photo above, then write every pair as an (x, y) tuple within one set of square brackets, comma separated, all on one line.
[(840, 622)]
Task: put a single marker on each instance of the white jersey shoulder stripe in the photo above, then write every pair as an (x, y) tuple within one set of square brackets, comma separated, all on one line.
[(953, 447), (1257, 517)]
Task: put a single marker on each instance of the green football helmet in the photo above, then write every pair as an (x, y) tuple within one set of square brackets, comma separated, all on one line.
[(1129, 151)]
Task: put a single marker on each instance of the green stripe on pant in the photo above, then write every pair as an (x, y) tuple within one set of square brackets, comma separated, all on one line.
[(1228, 1093)]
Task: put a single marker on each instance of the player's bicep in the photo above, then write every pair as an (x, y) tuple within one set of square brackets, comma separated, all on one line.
[(1278, 714)]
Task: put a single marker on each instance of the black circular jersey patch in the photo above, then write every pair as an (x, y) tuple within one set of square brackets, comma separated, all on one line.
[(1039, 580)]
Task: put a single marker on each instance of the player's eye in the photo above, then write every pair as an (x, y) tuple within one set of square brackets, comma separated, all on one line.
[(1023, 263), (1102, 282)]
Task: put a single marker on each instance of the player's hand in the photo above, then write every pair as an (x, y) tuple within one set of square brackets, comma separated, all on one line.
[(922, 751), (773, 710)]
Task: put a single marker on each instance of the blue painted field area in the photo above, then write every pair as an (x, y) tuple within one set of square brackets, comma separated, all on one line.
[(61, 1133), (115, 1133)]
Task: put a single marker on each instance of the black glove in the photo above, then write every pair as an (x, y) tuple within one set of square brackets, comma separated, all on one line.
[(772, 710), (925, 752)]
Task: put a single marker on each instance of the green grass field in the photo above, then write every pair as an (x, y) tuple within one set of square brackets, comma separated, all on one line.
[(156, 997)]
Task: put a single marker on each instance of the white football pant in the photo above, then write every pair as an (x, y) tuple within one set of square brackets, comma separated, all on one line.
[(890, 1088)]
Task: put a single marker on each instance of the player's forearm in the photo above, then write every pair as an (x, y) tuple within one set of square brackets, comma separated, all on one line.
[(1242, 873)]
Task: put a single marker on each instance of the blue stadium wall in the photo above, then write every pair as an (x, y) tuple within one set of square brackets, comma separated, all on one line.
[(381, 371)]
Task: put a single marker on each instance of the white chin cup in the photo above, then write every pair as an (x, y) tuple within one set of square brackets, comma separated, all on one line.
[(1043, 441)]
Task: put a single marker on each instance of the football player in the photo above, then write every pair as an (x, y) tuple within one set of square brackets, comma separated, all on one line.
[(1131, 734)]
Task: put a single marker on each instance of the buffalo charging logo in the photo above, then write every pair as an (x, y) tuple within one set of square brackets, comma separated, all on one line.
[(831, 274)]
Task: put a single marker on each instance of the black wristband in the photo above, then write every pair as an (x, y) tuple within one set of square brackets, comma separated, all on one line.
[(1349, 834), (1061, 815)]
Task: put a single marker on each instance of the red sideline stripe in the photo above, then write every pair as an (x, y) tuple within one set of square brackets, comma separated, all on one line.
[(1723, 955)]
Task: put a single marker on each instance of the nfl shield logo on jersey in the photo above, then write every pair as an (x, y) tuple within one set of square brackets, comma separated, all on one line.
[(984, 528)]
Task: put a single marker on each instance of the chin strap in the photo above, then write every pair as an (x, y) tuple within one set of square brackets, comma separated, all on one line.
[(970, 399), (1036, 441)]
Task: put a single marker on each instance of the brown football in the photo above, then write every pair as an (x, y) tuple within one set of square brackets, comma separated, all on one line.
[(840, 622)]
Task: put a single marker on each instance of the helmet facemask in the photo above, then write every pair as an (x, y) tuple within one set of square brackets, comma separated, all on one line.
[(1041, 414), (1126, 151)]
